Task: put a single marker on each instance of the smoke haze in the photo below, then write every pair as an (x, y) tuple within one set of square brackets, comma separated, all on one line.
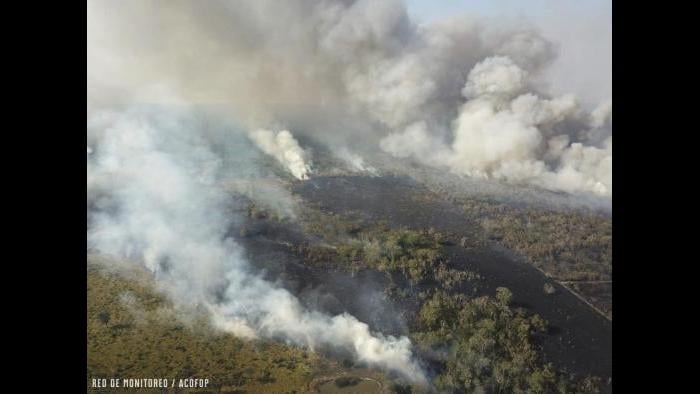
[(361, 77), (168, 211), (342, 70)]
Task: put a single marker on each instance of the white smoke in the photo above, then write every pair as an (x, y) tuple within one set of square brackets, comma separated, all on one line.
[(504, 132), (357, 71), (496, 76), (269, 193), (283, 147), (356, 162), (170, 210), (459, 94)]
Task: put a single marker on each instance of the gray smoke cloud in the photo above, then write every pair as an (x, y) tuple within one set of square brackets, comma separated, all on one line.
[(362, 70), (504, 132), (169, 208), (359, 76)]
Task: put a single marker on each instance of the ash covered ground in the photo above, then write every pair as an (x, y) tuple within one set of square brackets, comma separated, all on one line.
[(578, 337), (335, 210), (340, 196)]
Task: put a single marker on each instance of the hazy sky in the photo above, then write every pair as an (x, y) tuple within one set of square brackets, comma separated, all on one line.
[(583, 30), (430, 9)]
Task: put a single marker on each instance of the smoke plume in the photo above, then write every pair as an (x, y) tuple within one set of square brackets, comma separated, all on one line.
[(168, 210), (283, 147), (504, 132), (349, 71), (358, 76)]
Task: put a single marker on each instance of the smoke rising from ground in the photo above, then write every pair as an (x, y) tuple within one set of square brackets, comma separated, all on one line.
[(283, 147), (457, 95), (358, 70), (168, 209), (504, 132)]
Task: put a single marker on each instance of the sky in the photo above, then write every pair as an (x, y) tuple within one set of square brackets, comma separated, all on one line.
[(582, 29), (431, 9)]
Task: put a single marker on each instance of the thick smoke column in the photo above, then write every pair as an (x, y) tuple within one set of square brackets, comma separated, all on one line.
[(283, 147), (362, 72), (167, 209), (504, 132), (459, 95)]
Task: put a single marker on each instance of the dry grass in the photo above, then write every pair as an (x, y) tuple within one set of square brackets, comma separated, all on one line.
[(134, 333)]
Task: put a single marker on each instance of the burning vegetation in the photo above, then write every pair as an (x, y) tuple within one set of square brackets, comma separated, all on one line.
[(263, 211)]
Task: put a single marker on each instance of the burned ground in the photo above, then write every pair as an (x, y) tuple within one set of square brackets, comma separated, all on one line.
[(319, 258), (579, 338)]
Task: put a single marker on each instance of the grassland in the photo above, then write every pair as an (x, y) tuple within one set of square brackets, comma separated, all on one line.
[(572, 247), (470, 343), (134, 333), (415, 256), (483, 344)]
